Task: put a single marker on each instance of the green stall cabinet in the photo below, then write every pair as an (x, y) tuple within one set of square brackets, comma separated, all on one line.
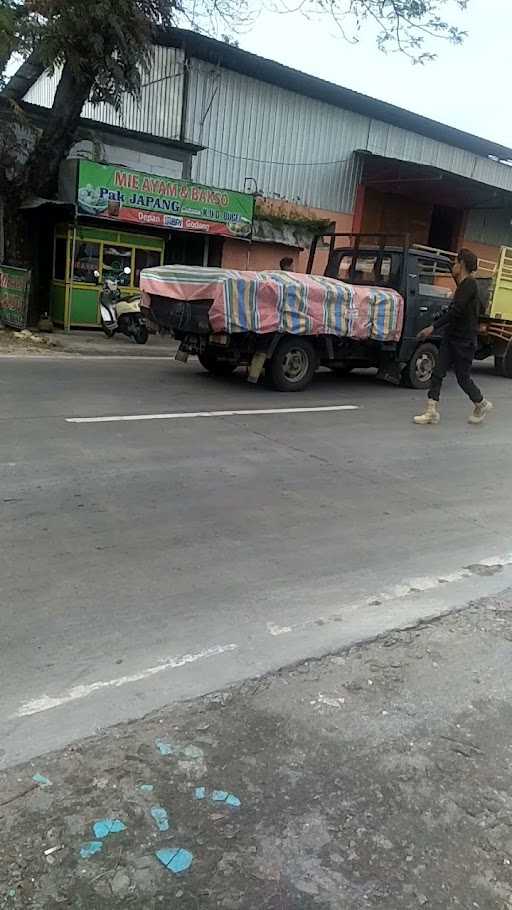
[(81, 251)]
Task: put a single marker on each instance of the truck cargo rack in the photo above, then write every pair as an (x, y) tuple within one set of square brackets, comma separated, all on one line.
[(487, 268)]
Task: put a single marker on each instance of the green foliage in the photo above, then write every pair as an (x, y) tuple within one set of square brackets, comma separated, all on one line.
[(107, 44)]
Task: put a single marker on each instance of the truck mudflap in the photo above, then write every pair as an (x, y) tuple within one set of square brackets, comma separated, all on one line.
[(191, 344)]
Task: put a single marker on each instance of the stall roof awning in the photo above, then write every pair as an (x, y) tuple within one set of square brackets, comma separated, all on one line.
[(284, 233), (37, 202)]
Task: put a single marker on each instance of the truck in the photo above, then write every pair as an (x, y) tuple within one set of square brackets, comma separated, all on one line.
[(395, 288)]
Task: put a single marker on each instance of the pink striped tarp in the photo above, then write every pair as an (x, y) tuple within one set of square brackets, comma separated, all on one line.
[(267, 302)]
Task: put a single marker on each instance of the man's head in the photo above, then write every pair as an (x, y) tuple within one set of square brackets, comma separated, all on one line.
[(465, 264), (286, 264)]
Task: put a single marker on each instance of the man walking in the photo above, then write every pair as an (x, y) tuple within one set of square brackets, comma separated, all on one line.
[(459, 342)]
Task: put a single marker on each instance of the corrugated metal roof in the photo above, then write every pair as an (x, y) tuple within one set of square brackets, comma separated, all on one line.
[(234, 58), (158, 112), (391, 142), (24, 77)]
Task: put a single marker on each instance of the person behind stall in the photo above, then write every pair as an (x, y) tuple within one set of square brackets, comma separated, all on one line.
[(458, 345), (286, 264)]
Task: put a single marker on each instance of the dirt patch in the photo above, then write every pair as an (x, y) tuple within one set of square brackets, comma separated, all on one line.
[(25, 341)]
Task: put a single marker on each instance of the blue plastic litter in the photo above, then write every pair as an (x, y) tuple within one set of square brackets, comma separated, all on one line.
[(41, 780), (200, 793), (146, 788), (194, 753), (90, 849), (160, 818), (164, 748), (106, 826), (222, 796), (176, 861)]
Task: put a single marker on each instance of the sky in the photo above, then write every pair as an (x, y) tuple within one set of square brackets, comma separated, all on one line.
[(467, 87)]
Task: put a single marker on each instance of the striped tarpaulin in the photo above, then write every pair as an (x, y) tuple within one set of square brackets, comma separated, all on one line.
[(265, 302)]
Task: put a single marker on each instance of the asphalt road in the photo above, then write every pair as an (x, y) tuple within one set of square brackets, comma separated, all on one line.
[(144, 562)]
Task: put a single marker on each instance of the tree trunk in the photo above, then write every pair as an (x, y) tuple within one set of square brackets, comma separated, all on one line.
[(57, 138), (17, 246)]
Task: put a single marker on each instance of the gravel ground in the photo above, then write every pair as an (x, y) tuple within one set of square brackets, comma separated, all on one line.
[(380, 778)]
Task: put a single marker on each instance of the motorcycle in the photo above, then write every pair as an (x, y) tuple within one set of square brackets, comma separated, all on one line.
[(120, 314)]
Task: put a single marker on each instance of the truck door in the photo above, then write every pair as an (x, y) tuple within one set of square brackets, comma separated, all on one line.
[(430, 288)]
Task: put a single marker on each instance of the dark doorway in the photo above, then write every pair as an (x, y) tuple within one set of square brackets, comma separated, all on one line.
[(184, 248), (445, 228)]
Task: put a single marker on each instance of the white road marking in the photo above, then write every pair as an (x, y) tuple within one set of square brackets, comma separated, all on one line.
[(397, 592), (70, 355), (184, 415), (46, 703)]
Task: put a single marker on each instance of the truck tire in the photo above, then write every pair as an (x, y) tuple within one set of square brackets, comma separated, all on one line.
[(216, 367), (418, 372), (293, 364)]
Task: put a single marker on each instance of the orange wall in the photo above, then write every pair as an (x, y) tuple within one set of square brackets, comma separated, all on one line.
[(262, 256), (385, 213), (256, 257), (483, 250)]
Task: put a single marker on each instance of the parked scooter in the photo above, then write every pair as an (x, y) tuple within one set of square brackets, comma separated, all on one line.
[(120, 314)]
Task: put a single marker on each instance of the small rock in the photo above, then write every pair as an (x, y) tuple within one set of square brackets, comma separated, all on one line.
[(120, 884)]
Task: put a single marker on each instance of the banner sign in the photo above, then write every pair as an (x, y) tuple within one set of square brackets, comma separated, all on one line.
[(14, 296), (119, 194)]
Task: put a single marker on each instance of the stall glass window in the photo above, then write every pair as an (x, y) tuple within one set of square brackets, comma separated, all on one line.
[(87, 261), (145, 259), (115, 260), (61, 251)]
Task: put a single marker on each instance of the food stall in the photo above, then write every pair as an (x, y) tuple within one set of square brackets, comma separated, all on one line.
[(127, 218)]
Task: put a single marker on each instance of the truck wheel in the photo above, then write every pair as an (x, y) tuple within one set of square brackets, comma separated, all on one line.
[(293, 365), (418, 372), (216, 367)]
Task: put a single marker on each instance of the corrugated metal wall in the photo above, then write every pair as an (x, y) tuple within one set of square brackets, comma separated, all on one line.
[(492, 226), (262, 136), (159, 110)]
